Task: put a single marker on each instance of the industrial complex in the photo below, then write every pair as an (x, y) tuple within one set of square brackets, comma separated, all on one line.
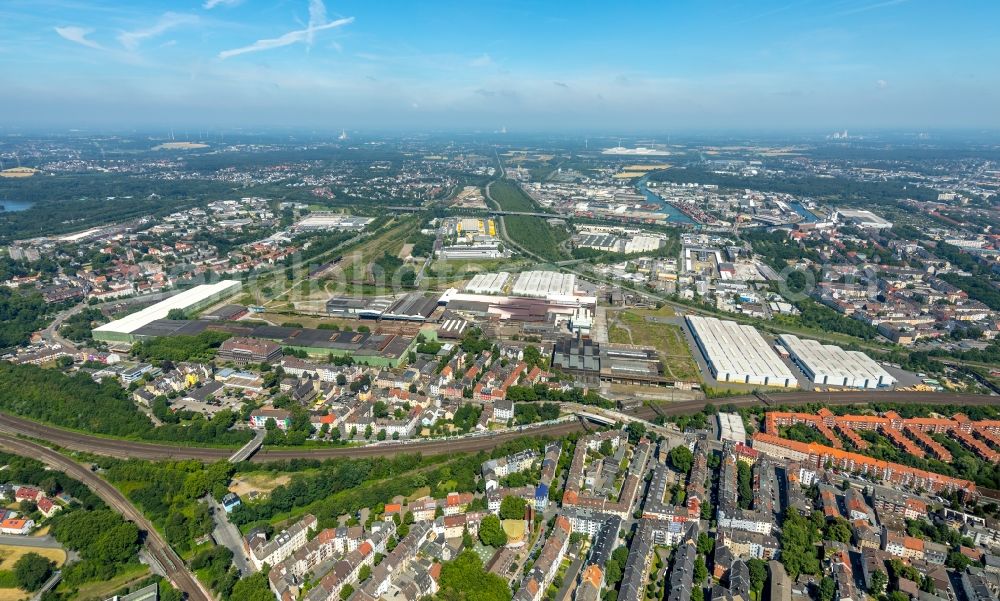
[(488, 283), (738, 353), (833, 366), (199, 297), (544, 284)]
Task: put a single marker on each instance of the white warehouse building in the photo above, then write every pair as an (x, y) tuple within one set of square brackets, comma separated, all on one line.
[(738, 353), (544, 284), (487, 283), (194, 299), (830, 365)]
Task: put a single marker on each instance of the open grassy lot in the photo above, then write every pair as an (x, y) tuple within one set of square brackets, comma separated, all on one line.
[(9, 554), (631, 327), (263, 482), (510, 197), (12, 594)]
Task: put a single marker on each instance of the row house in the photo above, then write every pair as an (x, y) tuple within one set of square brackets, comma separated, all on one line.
[(271, 552), (547, 564)]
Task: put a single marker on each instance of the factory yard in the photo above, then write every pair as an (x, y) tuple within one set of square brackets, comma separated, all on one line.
[(635, 327)]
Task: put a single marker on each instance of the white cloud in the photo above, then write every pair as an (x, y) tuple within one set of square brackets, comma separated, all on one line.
[(317, 22), (317, 17), (481, 61), (78, 35), (170, 20), (882, 84), (210, 4)]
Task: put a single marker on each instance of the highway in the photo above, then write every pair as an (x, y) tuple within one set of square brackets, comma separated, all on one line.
[(158, 549), (126, 449)]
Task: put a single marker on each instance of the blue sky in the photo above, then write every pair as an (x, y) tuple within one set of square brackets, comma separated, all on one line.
[(527, 65)]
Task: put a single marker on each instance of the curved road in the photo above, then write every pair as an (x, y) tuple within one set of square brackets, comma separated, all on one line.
[(126, 449), (174, 568)]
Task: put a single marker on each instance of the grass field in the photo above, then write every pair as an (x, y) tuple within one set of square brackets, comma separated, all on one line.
[(12, 594), (632, 327), (257, 482), (356, 262), (510, 197), (9, 554), (537, 236)]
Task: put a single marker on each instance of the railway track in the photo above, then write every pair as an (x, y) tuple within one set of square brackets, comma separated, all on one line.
[(126, 449), (157, 547)]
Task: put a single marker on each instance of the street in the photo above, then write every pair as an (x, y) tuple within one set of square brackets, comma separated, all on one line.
[(228, 535)]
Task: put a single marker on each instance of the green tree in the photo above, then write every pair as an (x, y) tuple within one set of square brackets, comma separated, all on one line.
[(464, 578), (705, 543), (744, 488), (512, 508), (119, 544), (758, 573), (827, 589), (700, 570), (681, 459), (613, 572), (838, 530), (636, 430), (32, 570), (605, 448), (798, 551), (491, 532), (252, 588), (879, 582), (364, 573)]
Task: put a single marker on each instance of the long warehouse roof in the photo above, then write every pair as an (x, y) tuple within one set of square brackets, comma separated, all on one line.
[(833, 361), (544, 283), (487, 283), (737, 349), (188, 298)]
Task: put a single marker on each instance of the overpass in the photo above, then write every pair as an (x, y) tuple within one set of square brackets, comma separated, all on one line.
[(599, 419), (610, 417), (251, 447)]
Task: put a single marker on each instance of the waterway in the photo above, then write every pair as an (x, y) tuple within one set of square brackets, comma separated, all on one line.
[(673, 215), (807, 215), (14, 205)]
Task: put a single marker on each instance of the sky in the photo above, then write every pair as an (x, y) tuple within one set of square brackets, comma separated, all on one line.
[(553, 65)]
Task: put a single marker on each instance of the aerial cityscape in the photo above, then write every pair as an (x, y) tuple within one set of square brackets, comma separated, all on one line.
[(437, 301)]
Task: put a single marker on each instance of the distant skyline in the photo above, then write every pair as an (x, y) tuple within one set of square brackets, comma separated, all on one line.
[(526, 66)]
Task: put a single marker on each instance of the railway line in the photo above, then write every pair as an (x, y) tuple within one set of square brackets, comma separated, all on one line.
[(128, 449), (156, 546), (13, 431)]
